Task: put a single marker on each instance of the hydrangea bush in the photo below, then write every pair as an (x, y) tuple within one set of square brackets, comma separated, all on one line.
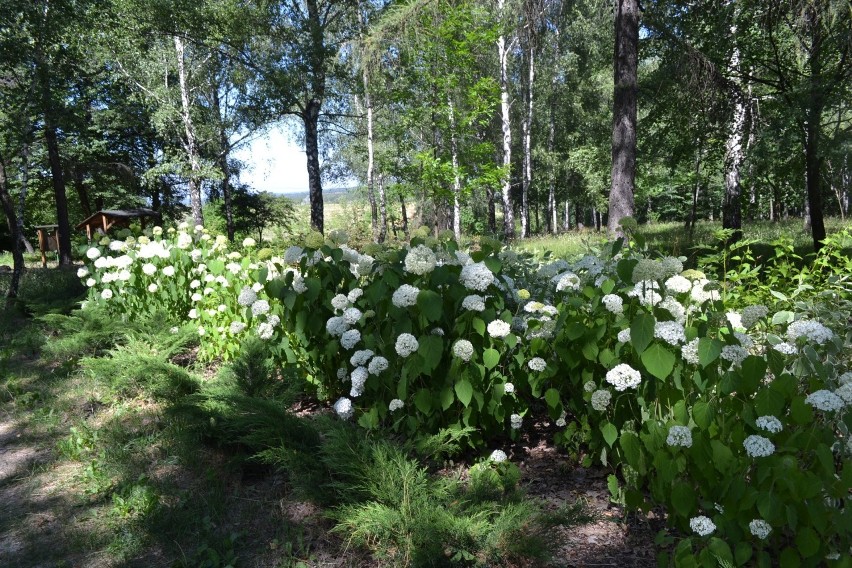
[(734, 417)]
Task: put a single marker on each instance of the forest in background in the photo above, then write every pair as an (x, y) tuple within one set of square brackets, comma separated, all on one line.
[(488, 116)]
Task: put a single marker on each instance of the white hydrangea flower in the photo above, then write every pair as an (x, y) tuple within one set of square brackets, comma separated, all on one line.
[(149, 269), (354, 294), (624, 336), (93, 253), (516, 421), (560, 422), (845, 378), (201, 330), (814, 331), (259, 307), (463, 349), (735, 319), (247, 296), (265, 330), (406, 344), (568, 281), (601, 399), (760, 528), (237, 327), (420, 260), (360, 357), (249, 242), (671, 332), (825, 400), (701, 525), (106, 293), (352, 315), (193, 314), (674, 307), (498, 456), (293, 254), (102, 262), (476, 277), (758, 446), (590, 386), (679, 436), (735, 354), (340, 302), (377, 365), (844, 391), (753, 314), (153, 287), (196, 297), (701, 294), (82, 272), (350, 338), (343, 408), (498, 329), (785, 348), (395, 405), (405, 296), (745, 340), (623, 377), (336, 326), (613, 303), (474, 303), (359, 379), (91, 282), (537, 364), (677, 284), (169, 270), (769, 423), (509, 388), (123, 275), (342, 374)]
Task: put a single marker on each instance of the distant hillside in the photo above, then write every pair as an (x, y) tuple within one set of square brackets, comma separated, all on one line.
[(329, 194)]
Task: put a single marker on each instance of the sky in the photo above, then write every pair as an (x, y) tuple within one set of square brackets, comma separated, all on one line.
[(274, 163)]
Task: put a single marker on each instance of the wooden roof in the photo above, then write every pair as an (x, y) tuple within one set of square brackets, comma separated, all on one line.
[(108, 217)]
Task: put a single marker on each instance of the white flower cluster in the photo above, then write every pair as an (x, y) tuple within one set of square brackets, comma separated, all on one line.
[(406, 344), (613, 303), (689, 352), (360, 357), (677, 284), (537, 364), (567, 281), (359, 379), (845, 378), (825, 400), (671, 332), (701, 294), (377, 365), (509, 388), (265, 330), (463, 349), (476, 276), (769, 423), (753, 314), (785, 348), (293, 254), (735, 354), (340, 302), (601, 399), (623, 336), (646, 292), (247, 296), (701, 525), (498, 456), (516, 421), (474, 303), (259, 307), (623, 377), (590, 386), (343, 408), (237, 327), (405, 296), (760, 528), (499, 329), (679, 436), (814, 331), (844, 391), (758, 446), (352, 315), (420, 260), (647, 270), (336, 326), (350, 338), (395, 405)]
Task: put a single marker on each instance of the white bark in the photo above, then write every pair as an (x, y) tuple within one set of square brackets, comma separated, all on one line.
[(189, 142), (506, 181), (732, 210)]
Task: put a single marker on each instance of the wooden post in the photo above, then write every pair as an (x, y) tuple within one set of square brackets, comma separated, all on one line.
[(89, 233), (42, 246)]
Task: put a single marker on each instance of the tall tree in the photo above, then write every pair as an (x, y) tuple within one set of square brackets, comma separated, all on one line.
[(626, 84)]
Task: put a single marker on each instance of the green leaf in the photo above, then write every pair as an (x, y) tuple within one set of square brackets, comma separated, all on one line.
[(658, 360), (708, 350), (609, 432), (629, 443), (720, 550), (575, 330), (702, 413), (447, 398), (800, 411), (807, 541), (423, 401), (479, 326), (551, 396), (590, 351), (431, 348), (430, 304), (624, 269), (782, 317), (369, 420), (743, 553), (493, 264), (464, 391), (683, 498), (642, 331), (722, 456), (490, 357)]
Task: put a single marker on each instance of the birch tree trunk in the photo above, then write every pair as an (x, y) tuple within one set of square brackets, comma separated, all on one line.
[(368, 107), (383, 211), (189, 143), (732, 207), (506, 181), (625, 79)]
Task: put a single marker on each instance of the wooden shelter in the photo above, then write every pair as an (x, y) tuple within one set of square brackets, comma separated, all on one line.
[(108, 218)]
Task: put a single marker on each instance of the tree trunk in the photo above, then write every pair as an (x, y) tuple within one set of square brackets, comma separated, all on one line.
[(383, 210), (526, 127), (732, 205), (626, 60), (57, 177), (368, 106), (311, 119), (492, 211), (14, 231), (506, 124), (404, 215), (813, 160), (552, 223), (566, 221), (82, 192), (189, 142)]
